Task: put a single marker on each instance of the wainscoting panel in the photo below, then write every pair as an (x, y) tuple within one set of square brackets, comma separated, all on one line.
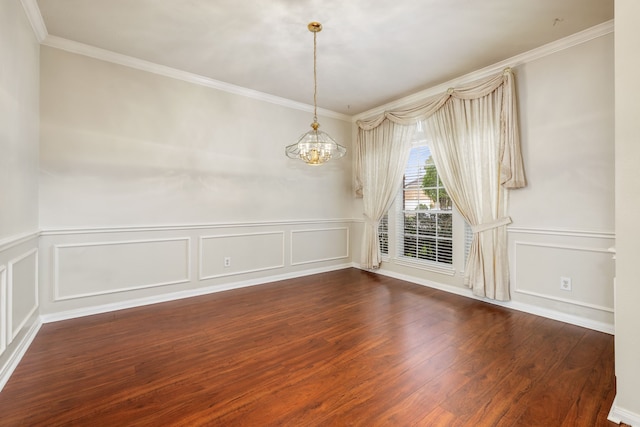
[(97, 268), (316, 245), (539, 258), (244, 253), (90, 270), (540, 266), (22, 292), (19, 299)]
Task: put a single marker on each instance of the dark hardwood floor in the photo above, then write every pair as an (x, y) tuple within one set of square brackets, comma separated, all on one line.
[(336, 349)]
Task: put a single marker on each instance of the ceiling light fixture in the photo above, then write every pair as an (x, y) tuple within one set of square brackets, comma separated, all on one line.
[(315, 147)]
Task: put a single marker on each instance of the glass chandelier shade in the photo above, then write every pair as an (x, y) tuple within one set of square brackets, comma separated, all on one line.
[(315, 147)]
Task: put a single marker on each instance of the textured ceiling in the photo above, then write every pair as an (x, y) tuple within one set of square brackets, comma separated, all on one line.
[(370, 52)]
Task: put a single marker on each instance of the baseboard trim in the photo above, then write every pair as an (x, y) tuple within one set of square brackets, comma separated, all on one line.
[(12, 363), (515, 305), (618, 415), (106, 308)]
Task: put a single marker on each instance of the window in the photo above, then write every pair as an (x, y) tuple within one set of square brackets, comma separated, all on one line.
[(425, 217), (383, 234), (419, 226)]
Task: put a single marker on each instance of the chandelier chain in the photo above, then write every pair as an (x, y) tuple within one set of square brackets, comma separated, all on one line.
[(315, 147), (315, 79)]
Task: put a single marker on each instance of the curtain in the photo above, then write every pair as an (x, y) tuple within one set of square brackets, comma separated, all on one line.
[(476, 149), (381, 155), (465, 139)]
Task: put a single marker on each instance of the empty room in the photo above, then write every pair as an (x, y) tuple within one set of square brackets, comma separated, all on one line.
[(306, 213)]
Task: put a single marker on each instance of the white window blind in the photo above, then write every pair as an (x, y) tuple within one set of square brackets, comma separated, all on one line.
[(468, 237), (425, 218), (383, 234)]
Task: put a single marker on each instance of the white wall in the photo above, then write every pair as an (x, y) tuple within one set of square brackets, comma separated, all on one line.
[(19, 53), (627, 145), (563, 221), (148, 183)]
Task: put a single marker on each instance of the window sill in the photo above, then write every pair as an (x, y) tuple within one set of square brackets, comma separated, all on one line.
[(425, 265)]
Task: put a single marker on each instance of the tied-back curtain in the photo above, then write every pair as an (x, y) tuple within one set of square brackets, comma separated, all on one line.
[(381, 155), (476, 149), (466, 146)]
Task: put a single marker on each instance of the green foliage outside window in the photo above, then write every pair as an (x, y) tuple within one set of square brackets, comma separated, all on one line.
[(432, 186)]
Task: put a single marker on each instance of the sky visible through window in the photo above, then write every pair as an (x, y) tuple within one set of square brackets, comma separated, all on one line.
[(418, 157)]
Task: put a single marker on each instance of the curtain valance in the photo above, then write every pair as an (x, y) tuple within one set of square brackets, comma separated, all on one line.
[(426, 108), (512, 170)]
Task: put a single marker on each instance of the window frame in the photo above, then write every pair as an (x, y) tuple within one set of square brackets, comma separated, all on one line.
[(393, 235)]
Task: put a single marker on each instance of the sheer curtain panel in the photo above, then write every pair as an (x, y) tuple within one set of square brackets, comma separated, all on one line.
[(381, 155)]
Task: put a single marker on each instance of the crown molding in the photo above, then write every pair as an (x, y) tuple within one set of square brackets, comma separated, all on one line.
[(537, 53), (34, 16), (151, 67)]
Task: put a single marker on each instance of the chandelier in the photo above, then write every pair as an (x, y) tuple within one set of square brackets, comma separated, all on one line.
[(315, 147)]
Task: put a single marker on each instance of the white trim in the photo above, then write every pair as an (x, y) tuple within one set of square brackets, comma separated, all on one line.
[(235, 273), (174, 227), (595, 325), (11, 331), (561, 232), (14, 359), (18, 239), (553, 297), (56, 288), (3, 309), (619, 415), (424, 265), (568, 247), (319, 259), (105, 308), (527, 308), (120, 242), (34, 16), (565, 300), (174, 73), (532, 55)]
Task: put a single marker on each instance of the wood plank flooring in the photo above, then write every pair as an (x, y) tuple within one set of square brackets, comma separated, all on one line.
[(346, 348)]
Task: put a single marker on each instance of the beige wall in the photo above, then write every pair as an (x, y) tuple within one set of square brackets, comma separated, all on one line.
[(19, 58), (121, 146), (563, 221), (627, 145), (566, 123), (148, 183), (19, 116)]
